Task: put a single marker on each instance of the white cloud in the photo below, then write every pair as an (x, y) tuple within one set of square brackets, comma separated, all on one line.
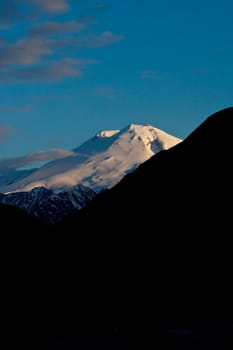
[(19, 162)]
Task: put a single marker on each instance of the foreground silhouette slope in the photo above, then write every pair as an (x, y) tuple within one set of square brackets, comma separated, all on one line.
[(162, 236), (14, 219), (155, 247)]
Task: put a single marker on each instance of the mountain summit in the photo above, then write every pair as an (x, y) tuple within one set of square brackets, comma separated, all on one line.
[(100, 162), (194, 178)]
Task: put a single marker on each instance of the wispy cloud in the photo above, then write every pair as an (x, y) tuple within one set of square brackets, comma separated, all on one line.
[(48, 50), (97, 41), (104, 91), (151, 74), (24, 52), (5, 132), (16, 109), (51, 6), (15, 10), (29, 51), (19, 162), (54, 28), (91, 41), (52, 71), (49, 72)]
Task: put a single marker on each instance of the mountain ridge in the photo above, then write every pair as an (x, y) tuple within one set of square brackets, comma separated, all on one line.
[(101, 161), (49, 207)]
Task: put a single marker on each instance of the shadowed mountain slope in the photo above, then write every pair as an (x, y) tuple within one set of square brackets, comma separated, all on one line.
[(155, 247), (16, 221), (166, 227), (49, 207)]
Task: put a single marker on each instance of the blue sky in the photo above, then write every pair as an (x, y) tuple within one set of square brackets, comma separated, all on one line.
[(69, 68)]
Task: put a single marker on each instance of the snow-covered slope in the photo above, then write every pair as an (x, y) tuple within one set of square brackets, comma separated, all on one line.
[(100, 162), (47, 206), (10, 176)]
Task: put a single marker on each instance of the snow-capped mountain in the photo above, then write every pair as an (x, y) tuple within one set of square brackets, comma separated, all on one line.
[(100, 162), (47, 206), (10, 176)]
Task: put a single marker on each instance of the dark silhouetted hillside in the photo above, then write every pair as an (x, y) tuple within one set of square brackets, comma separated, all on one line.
[(14, 219), (166, 228), (156, 247)]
